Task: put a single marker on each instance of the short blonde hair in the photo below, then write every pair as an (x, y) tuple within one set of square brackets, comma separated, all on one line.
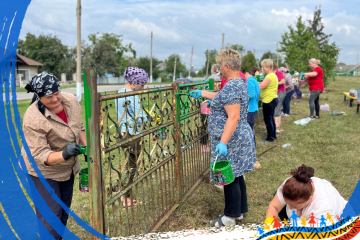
[(315, 61), (214, 68), (267, 63), (231, 57)]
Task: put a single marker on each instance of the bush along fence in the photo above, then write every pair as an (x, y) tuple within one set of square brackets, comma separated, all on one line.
[(143, 164)]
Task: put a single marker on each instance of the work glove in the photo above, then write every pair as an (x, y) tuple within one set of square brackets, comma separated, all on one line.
[(71, 150), (195, 94), (221, 148), (209, 103), (302, 74)]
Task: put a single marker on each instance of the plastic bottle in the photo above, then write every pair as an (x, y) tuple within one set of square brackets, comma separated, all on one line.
[(286, 145)]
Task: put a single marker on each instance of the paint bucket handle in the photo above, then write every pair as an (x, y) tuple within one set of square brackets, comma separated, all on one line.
[(217, 156)]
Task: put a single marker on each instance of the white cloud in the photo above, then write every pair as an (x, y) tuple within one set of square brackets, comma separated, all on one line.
[(179, 25)]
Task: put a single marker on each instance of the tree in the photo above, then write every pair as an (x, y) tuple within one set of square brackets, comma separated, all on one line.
[(248, 61), (48, 50), (300, 45), (144, 63), (239, 48), (272, 56), (103, 57), (170, 62), (317, 27), (212, 60), (114, 44)]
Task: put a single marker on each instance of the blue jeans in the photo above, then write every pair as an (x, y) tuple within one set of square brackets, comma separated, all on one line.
[(268, 111), (286, 103)]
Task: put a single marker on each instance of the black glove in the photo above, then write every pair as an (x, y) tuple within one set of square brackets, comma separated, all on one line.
[(72, 149)]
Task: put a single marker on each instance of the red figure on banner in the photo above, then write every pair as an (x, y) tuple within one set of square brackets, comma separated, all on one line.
[(312, 220), (276, 223)]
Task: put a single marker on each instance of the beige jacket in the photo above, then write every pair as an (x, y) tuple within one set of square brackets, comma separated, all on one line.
[(47, 134)]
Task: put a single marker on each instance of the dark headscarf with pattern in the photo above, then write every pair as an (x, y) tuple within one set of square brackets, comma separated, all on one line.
[(41, 85)]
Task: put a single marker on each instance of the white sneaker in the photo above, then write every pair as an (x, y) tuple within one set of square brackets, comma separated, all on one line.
[(286, 115)]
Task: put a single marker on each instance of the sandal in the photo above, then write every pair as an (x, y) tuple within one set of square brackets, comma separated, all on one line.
[(134, 201)]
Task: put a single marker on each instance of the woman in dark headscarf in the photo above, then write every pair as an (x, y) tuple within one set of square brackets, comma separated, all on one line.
[(51, 122)]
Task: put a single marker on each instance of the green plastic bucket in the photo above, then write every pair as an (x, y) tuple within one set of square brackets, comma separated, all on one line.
[(83, 180), (222, 172)]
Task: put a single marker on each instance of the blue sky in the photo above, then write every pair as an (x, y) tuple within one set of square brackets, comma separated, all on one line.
[(179, 25)]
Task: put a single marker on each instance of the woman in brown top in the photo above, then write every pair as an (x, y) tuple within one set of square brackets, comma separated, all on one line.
[(51, 122)]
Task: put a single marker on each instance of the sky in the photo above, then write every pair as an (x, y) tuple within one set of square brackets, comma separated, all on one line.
[(179, 25)]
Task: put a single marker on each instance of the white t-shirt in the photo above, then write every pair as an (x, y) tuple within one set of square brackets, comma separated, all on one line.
[(326, 199)]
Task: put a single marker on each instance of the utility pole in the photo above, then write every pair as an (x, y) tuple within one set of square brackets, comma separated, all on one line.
[(277, 53), (358, 60), (207, 67), (222, 45), (174, 71), (78, 55), (151, 58), (192, 51)]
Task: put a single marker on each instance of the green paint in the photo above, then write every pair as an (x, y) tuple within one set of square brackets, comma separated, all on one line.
[(87, 114)]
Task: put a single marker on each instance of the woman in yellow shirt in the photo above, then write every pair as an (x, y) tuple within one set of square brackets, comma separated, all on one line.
[(269, 97)]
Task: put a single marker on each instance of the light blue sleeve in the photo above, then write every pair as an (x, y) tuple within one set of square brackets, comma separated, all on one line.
[(251, 89)]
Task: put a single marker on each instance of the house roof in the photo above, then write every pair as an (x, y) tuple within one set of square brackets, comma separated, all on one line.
[(27, 61), (161, 66)]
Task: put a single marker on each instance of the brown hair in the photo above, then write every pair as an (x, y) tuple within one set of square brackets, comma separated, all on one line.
[(299, 186), (252, 70), (275, 66)]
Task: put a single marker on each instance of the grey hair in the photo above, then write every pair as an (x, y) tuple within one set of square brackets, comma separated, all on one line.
[(214, 67), (267, 63), (231, 57), (315, 61)]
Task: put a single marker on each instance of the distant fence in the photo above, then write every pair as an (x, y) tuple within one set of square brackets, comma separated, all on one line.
[(118, 80), (354, 73)]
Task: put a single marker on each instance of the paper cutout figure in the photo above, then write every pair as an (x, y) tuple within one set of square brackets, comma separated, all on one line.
[(294, 218), (329, 217), (276, 223), (260, 230), (303, 221), (338, 217), (323, 221), (286, 222), (312, 220)]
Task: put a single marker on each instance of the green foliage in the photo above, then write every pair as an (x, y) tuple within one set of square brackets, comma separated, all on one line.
[(300, 44), (48, 50), (200, 74), (170, 62), (317, 27), (144, 63), (239, 48), (272, 56), (248, 61), (212, 60)]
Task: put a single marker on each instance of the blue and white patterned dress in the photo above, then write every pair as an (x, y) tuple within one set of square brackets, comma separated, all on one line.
[(240, 148)]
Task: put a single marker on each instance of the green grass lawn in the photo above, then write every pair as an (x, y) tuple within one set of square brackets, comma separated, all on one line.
[(328, 144)]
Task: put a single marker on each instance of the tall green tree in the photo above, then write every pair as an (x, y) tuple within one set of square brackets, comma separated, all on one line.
[(300, 45), (144, 63), (170, 62), (248, 61), (48, 50), (212, 60), (317, 29), (272, 56), (239, 48)]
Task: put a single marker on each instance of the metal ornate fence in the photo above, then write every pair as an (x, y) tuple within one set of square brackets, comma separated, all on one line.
[(147, 154)]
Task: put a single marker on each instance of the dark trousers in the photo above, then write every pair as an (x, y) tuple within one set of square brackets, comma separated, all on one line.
[(235, 198), (64, 190), (134, 150), (286, 103), (314, 103), (251, 117), (268, 111)]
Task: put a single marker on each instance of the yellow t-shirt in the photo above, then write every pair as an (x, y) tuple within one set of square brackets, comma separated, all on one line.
[(270, 92)]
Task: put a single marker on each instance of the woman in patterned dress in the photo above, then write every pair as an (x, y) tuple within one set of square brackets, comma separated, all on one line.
[(230, 134)]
